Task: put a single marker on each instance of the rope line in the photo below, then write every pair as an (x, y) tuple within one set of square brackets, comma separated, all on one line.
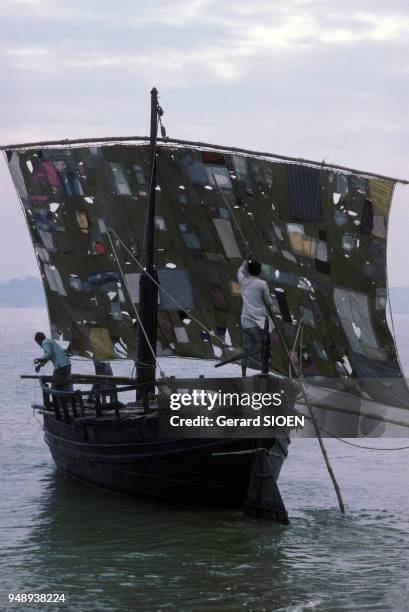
[(344, 441)]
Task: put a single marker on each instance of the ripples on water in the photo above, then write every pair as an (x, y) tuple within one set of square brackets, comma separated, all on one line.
[(115, 553)]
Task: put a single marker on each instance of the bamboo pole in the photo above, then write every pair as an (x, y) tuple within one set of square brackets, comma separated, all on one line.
[(66, 142), (314, 421)]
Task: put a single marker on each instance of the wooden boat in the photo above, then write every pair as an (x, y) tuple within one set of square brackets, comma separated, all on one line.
[(120, 448), (139, 241)]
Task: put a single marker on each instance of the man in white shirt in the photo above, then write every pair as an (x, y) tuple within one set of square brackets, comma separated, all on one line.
[(256, 304)]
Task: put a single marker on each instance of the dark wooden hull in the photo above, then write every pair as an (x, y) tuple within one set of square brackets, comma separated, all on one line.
[(127, 456)]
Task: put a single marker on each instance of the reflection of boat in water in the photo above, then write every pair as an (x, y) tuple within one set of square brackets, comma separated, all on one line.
[(132, 554), (139, 241)]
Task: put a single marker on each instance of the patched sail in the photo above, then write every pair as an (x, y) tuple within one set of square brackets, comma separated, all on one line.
[(319, 232)]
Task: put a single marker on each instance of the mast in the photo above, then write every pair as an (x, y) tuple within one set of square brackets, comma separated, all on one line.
[(148, 302)]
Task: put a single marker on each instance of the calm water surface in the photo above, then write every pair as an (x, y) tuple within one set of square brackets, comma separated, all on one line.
[(115, 553)]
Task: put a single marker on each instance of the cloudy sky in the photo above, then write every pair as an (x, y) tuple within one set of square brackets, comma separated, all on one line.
[(309, 78)]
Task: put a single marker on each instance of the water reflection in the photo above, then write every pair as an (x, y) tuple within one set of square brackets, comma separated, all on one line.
[(118, 553), (107, 548)]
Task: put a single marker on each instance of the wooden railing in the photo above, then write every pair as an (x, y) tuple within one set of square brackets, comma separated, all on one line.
[(68, 405)]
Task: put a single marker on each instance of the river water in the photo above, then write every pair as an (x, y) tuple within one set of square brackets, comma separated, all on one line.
[(109, 552)]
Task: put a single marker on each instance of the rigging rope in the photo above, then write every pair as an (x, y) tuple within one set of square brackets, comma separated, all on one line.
[(375, 448)]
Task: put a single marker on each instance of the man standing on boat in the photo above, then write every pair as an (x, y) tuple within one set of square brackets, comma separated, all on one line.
[(61, 362), (102, 368), (256, 307)]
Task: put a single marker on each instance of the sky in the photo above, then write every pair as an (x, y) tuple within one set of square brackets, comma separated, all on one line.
[(305, 78)]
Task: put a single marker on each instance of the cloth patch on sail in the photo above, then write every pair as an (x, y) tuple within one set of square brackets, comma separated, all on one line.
[(62, 241), (181, 335), (235, 289), (120, 181), (304, 193), (195, 170), (240, 166), (219, 177), (101, 343), (227, 238), (177, 285), (82, 221), (379, 226), (16, 174), (300, 243), (133, 286), (381, 298), (367, 217), (296, 236), (285, 278), (42, 253), (165, 326), (54, 279), (380, 193), (354, 312)]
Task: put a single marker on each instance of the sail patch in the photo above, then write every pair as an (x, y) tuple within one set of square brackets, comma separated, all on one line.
[(304, 193), (101, 343), (227, 238), (133, 286), (176, 283), (354, 312), (54, 279)]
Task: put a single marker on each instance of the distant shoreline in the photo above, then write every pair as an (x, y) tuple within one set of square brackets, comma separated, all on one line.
[(29, 293), (21, 306)]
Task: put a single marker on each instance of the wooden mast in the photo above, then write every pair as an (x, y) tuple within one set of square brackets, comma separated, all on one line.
[(148, 301)]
